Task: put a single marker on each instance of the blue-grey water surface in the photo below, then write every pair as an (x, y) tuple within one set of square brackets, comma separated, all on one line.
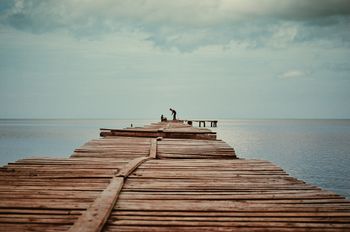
[(316, 151)]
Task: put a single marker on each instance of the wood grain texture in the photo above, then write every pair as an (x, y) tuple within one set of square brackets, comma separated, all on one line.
[(153, 148), (186, 181), (94, 218)]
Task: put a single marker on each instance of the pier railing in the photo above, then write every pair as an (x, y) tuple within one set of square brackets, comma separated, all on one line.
[(213, 123)]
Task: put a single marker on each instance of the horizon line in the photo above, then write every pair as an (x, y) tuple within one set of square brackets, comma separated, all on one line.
[(194, 118)]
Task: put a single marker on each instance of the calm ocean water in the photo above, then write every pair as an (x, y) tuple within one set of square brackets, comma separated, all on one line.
[(316, 151)]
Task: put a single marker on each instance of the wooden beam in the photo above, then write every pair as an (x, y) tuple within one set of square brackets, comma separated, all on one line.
[(94, 218), (131, 166), (153, 149)]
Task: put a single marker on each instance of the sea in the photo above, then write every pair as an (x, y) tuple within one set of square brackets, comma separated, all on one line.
[(316, 151)]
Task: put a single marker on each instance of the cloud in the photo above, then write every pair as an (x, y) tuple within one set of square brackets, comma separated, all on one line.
[(187, 24), (292, 74)]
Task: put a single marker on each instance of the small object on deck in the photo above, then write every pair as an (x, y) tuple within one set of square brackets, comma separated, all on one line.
[(163, 119)]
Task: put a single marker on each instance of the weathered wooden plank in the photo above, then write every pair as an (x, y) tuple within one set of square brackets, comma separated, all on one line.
[(172, 228), (231, 224), (227, 196), (214, 214), (216, 205), (153, 149), (93, 219), (131, 166), (6, 227), (232, 219), (19, 211)]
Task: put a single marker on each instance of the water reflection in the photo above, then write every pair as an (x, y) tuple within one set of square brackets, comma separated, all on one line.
[(316, 151)]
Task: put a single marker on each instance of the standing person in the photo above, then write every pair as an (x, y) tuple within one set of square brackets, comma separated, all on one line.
[(173, 113)]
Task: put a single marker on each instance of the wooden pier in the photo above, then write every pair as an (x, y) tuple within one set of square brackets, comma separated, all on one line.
[(167, 176), (213, 123)]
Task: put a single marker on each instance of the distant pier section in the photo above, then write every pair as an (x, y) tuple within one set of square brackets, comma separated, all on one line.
[(201, 122), (167, 129)]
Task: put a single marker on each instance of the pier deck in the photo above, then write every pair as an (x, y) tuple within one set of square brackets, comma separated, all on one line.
[(166, 176)]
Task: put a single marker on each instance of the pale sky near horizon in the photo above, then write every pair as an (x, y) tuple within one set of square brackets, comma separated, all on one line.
[(206, 59)]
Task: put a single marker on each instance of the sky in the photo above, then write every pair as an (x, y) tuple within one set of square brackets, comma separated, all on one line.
[(206, 59)]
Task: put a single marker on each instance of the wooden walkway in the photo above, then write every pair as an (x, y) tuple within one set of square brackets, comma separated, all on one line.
[(163, 177)]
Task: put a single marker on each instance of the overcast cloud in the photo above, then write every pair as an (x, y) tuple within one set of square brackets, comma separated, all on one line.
[(215, 58), (187, 24)]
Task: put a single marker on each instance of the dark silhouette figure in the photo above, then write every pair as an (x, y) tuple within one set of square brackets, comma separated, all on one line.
[(173, 113), (162, 118)]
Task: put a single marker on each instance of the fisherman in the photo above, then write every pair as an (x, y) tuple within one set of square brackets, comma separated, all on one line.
[(173, 113)]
